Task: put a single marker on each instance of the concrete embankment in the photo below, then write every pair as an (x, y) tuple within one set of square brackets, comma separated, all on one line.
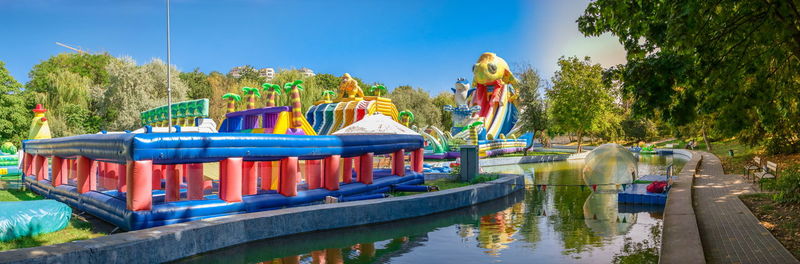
[(167, 243)]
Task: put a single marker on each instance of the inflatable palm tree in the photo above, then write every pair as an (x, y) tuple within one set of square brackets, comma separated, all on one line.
[(406, 117), (251, 94), (273, 90), (232, 99), (297, 113), (473, 132), (327, 94), (377, 90)]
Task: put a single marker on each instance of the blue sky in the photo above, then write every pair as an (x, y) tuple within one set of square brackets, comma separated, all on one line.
[(425, 44)]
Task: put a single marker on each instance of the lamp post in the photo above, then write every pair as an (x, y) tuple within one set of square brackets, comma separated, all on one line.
[(169, 86)]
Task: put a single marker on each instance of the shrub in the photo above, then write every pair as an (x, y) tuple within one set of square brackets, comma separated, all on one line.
[(787, 186)]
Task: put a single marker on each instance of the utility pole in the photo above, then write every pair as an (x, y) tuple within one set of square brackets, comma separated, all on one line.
[(169, 86)]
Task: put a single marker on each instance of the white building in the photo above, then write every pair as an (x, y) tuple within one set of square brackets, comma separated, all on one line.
[(307, 72), (267, 73)]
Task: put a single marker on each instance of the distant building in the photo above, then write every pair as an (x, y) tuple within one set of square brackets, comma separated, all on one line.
[(307, 72), (267, 73), (236, 72)]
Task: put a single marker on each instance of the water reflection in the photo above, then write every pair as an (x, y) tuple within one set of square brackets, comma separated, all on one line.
[(556, 224), (602, 216)]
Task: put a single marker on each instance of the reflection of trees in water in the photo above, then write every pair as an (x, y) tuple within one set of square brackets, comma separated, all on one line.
[(641, 252), (534, 206), (567, 204), (568, 221)]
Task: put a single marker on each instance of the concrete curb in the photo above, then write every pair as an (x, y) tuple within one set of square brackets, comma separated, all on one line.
[(680, 240), (172, 242)]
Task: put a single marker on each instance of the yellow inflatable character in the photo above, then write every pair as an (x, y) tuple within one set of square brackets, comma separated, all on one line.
[(349, 88), (39, 127)]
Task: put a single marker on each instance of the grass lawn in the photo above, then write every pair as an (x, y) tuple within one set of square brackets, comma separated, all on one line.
[(782, 220), (445, 184), (77, 229)]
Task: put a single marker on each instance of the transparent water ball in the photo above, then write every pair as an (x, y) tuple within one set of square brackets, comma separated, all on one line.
[(608, 165)]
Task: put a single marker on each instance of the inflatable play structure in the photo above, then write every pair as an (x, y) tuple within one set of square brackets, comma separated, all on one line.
[(261, 159), (10, 174), (484, 115), (330, 115)]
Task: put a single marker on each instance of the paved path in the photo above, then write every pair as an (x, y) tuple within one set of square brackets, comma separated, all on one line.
[(729, 231)]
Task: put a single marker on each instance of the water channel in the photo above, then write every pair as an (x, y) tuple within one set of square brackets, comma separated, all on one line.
[(556, 219)]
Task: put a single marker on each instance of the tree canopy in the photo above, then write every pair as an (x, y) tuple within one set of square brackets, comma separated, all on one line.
[(578, 101), (419, 101), (533, 117), (14, 117), (729, 66)]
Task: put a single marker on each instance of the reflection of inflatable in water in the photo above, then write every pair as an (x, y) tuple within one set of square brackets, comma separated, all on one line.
[(609, 164), (497, 230), (602, 217)]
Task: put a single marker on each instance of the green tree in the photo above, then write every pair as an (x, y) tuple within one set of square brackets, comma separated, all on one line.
[(15, 118), (732, 65), (578, 99), (133, 89), (446, 118), (407, 98), (250, 73), (533, 117), (92, 66), (326, 81), (67, 99), (197, 83)]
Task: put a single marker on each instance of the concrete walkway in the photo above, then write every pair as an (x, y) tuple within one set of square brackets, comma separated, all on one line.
[(728, 230)]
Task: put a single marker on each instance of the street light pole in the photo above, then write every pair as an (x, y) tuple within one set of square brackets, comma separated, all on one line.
[(169, 86)]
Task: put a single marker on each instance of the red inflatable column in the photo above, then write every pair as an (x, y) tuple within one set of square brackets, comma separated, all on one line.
[(59, 171), (173, 186), (39, 167), (87, 174), (398, 163), (288, 178), (347, 170), (330, 176), (194, 181), (417, 160), (140, 185), (122, 177), (249, 183), (27, 164), (365, 168), (230, 180), (314, 174)]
